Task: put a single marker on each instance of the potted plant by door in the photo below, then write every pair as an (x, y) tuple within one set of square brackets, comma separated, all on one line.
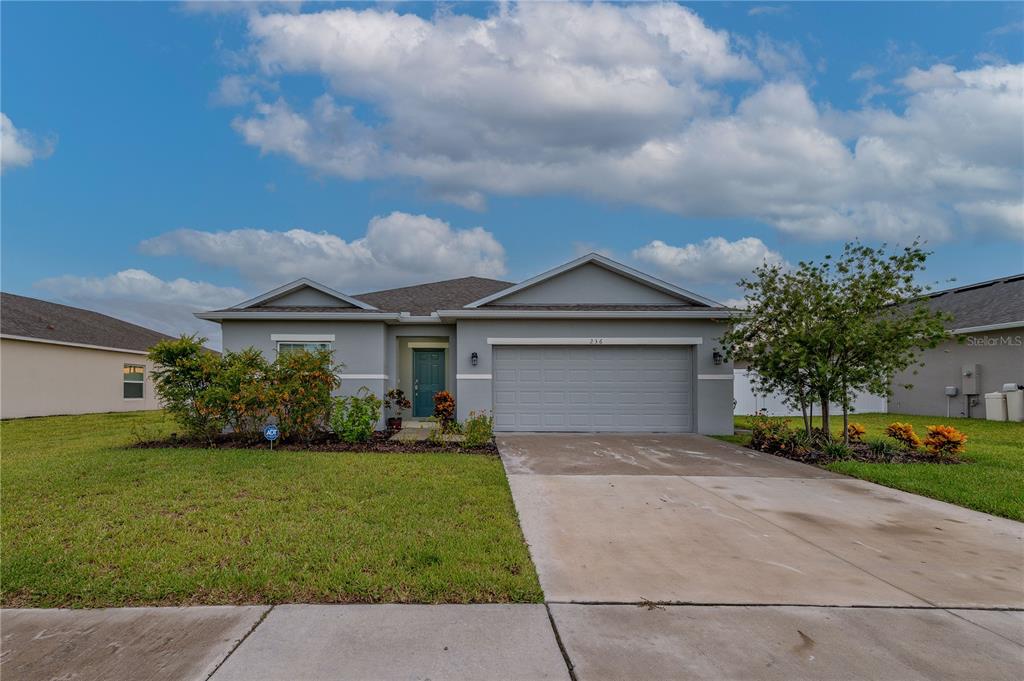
[(395, 402)]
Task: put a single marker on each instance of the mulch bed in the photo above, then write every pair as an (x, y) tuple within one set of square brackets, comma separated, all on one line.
[(864, 453), (322, 442)]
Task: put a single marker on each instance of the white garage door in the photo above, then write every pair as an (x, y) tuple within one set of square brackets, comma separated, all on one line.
[(593, 388)]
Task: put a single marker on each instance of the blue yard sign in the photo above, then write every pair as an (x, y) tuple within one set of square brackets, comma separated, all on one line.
[(271, 433)]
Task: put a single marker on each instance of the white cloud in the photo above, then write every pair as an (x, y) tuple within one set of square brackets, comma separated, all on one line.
[(1001, 217), (713, 260), (765, 10), (397, 249), (147, 300), (625, 103), (20, 147)]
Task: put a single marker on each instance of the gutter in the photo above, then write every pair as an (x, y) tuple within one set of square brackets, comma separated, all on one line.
[(988, 327), (481, 313)]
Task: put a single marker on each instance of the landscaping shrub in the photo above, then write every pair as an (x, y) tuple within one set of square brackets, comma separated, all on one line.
[(855, 432), (353, 418), (395, 402), (945, 441), (904, 434), (836, 450), (478, 429), (183, 377), (241, 391), (774, 436), (301, 386), (882, 449), (444, 410)]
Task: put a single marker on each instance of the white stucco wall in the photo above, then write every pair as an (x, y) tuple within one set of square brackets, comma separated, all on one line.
[(45, 379)]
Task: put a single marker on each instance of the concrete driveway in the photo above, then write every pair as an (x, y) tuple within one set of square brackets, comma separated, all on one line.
[(680, 556)]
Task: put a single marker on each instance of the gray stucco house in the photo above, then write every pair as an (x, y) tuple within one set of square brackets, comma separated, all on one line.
[(592, 345), (986, 351)]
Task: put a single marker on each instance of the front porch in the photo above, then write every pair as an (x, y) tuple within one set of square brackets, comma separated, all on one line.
[(425, 366)]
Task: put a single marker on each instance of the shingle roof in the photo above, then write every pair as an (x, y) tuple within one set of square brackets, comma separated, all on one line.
[(601, 307), (33, 318), (998, 301), (296, 308), (423, 299)]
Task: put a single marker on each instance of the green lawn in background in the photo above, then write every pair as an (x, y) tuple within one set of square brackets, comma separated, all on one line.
[(86, 523), (992, 480)]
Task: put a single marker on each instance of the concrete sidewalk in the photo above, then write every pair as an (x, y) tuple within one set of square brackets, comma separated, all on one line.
[(283, 643)]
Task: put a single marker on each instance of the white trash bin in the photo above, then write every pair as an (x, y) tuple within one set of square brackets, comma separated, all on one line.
[(1014, 402), (995, 406)]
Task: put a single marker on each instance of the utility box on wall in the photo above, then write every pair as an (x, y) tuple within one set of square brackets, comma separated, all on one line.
[(971, 380)]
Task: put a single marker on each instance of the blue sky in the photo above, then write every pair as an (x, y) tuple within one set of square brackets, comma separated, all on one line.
[(162, 158)]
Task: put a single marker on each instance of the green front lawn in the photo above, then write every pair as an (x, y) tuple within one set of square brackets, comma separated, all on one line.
[(85, 523), (992, 480)]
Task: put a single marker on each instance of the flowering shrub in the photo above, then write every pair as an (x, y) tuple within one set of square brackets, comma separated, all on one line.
[(353, 418), (855, 432), (444, 410), (945, 441), (478, 429), (904, 434)]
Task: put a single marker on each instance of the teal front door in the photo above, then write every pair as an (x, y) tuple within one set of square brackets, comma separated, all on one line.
[(427, 379)]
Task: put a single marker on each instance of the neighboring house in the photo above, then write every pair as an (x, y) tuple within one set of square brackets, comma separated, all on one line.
[(749, 402), (988, 321), (592, 345), (56, 359)]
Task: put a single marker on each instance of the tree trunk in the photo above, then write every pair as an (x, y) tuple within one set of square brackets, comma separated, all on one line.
[(846, 416), (825, 427), (807, 419)]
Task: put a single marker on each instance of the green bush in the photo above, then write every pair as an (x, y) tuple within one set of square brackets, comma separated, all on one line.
[(301, 385), (478, 429), (242, 392), (836, 450), (184, 375), (354, 418), (205, 392)]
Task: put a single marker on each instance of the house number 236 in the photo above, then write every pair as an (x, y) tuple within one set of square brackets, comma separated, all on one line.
[(597, 341)]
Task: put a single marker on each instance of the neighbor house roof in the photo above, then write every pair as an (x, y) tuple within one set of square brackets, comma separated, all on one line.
[(424, 299), (996, 303), (34, 319)]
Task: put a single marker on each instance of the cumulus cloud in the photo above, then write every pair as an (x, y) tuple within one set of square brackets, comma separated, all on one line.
[(766, 10), (626, 103), (713, 260), (397, 249), (1002, 217), (142, 298), (20, 147)]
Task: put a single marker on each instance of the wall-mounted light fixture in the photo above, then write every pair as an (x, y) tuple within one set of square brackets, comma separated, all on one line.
[(716, 356), (474, 359)]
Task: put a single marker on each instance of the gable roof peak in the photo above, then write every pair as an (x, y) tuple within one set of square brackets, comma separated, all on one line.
[(607, 263), (303, 282)]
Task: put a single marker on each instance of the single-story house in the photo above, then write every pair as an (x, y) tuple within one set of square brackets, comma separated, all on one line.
[(56, 359), (592, 345), (988, 352)]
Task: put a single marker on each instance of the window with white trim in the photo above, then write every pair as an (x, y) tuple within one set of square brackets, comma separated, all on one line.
[(292, 346), (134, 381)]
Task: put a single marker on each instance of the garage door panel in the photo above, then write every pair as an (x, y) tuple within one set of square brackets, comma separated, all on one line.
[(639, 388)]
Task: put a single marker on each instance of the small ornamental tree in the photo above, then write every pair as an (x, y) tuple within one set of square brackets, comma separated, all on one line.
[(821, 332), (183, 376)]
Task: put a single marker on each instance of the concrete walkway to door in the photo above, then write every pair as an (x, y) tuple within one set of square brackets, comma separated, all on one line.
[(746, 565)]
